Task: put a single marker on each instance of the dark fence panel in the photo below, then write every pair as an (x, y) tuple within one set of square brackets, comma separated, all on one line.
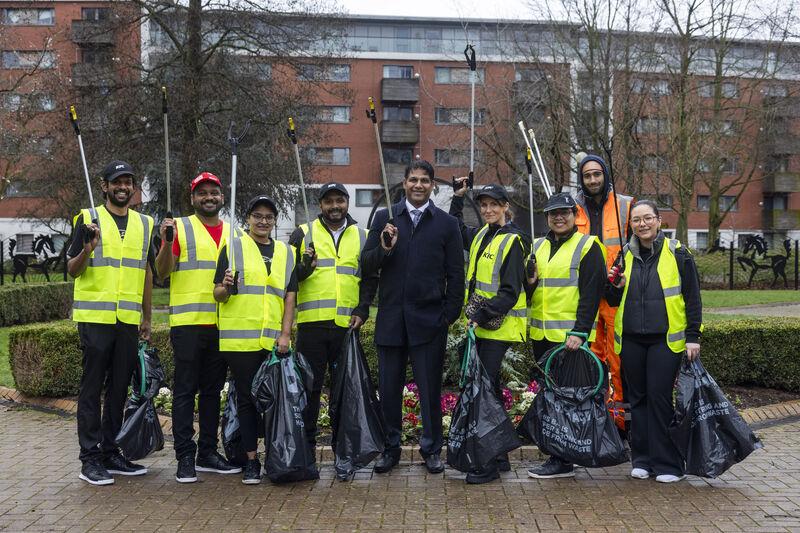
[(39, 260), (754, 266)]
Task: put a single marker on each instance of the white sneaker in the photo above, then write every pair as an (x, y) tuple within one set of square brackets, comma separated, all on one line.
[(669, 478), (640, 473)]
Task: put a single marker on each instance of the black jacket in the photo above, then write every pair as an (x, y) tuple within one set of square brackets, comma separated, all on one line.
[(421, 285), (591, 281), (367, 286), (512, 271), (645, 310)]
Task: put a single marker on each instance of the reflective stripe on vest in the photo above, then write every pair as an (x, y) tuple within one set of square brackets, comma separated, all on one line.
[(554, 305), (670, 279), (486, 268), (191, 290), (111, 288), (331, 291)]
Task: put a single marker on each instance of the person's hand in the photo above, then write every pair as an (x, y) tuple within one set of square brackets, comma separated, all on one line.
[(692, 350), (391, 229), (227, 281), (94, 241), (145, 329), (283, 342), (167, 223), (471, 324), (615, 271), (356, 321), (573, 343), (310, 257), (531, 271), (462, 186)]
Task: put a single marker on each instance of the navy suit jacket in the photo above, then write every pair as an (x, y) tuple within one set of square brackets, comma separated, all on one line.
[(421, 286)]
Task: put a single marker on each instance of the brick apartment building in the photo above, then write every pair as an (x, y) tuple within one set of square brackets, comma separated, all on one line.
[(415, 70)]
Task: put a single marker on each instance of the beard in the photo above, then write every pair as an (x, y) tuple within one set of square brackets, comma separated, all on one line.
[(119, 203), (208, 211)]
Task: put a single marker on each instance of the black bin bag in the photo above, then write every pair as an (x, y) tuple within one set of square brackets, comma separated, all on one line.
[(141, 434), (358, 436), (231, 434), (480, 429), (280, 391), (708, 431), (569, 418)]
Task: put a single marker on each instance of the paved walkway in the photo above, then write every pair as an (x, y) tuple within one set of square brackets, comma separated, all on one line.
[(785, 310), (40, 491)]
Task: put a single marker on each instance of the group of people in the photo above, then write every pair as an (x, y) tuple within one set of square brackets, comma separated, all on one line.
[(231, 314)]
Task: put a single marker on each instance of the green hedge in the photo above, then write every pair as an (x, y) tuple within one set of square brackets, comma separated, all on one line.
[(46, 360), (34, 302)]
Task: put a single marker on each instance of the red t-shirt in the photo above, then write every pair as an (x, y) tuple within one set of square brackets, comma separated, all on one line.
[(214, 231)]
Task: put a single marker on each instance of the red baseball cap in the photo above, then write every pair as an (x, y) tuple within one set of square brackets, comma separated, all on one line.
[(205, 177)]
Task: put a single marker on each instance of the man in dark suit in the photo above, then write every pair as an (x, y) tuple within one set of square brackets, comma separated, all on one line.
[(421, 290)]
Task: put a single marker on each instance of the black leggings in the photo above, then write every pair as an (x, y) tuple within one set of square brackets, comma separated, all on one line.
[(244, 366), (650, 369), (491, 353)]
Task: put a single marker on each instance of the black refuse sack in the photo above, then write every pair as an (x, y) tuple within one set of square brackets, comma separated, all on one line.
[(708, 431), (141, 434), (480, 429), (569, 418), (231, 435), (280, 391), (358, 429)]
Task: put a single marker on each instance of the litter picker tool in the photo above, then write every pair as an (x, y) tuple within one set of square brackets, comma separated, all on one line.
[(619, 263), (545, 178), (170, 234), (73, 117), (234, 141), (538, 165), (469, 53), (387, 240), (529, 165), (307, 258)]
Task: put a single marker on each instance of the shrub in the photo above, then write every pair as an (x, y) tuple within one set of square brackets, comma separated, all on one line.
[(34, 302)]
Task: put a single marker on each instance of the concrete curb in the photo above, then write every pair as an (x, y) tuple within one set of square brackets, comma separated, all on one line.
[(767, 413)]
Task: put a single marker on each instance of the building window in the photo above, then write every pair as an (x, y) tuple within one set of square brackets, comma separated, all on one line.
[(95, 56), (730, 89), (454, 158), (367, 197), (15, 16), (777, 202), (701, 240), (398, 113), (37, 102), (457, 115), (775, 89), (637, 85), (726, 203), (726, 128), (334, 114), (329, 156), (457, 75), (777, 163), (95, 13), (19, 189), (310, 71), (252, 68), (646, 125), (29, 59), (398, 71), (397, 156), (529, 74)]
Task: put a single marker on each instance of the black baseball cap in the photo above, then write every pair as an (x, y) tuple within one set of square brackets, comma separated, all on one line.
[(562, 200), (261, 199), (332, 186), (115, 169), (498, 192)]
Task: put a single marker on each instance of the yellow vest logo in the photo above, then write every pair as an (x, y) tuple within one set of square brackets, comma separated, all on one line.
[(488, 255)]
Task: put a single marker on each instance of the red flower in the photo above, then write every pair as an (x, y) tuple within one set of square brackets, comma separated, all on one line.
[(411, 419), (410, 403), (533, 387), (517, 418), (508, 399), (448, 403)]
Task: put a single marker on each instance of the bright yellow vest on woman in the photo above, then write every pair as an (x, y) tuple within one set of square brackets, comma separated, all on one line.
[(331, 291), (487, 282), (670, 278), (251, 320), (191, 284), (112, 286), (554, 305)]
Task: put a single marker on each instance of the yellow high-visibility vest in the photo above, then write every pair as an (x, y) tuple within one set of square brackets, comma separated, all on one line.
[(554, 305), (112, 286), (191, 284), (487, 282), (251, 320), (331, 291)]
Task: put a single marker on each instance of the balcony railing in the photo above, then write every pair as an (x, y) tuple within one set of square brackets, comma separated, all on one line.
[(96, 32), (92, 75), (400, 89), (785, 220), (399, 132), (779, 182)]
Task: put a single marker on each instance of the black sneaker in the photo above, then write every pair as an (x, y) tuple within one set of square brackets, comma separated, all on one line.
[(116, 464), (479, 478), (503, 464), (217, 464), (552, 468), (94, 473), (252, 472), (186, 472)]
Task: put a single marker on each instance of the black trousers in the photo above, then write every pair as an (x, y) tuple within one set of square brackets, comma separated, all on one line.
[(491, 353), (244, 366), (650, 369), (321, 346), (426, 364), (109, 357), (199, 367)]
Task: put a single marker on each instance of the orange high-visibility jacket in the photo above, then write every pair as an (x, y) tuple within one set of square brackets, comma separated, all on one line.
[(609, 235)]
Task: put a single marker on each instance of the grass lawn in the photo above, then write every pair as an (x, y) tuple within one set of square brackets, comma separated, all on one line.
[(723, 298), (160, 297)]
